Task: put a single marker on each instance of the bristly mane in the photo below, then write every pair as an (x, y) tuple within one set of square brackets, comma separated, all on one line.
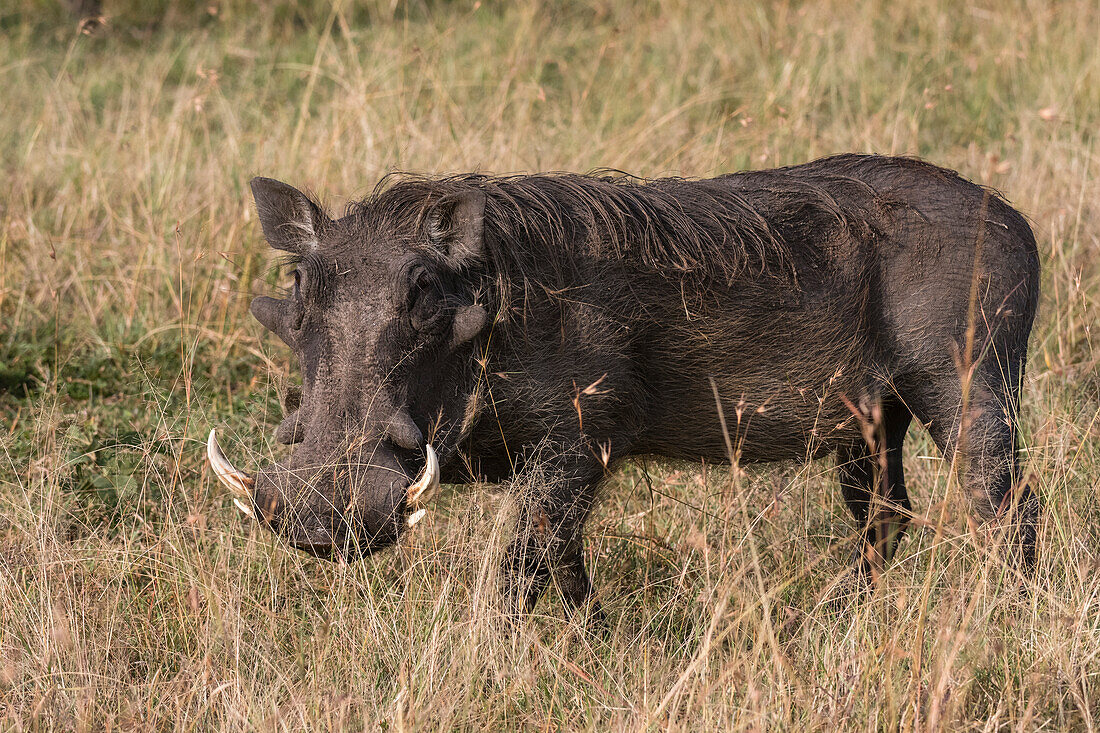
[(674, 226)]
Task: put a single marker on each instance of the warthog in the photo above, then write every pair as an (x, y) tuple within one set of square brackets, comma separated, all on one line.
[(445, 326)]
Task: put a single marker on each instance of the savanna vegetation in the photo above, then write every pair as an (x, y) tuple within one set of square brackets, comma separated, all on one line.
[(132, 595)]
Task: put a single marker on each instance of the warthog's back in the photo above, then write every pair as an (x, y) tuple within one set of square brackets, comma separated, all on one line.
[(883, 256)]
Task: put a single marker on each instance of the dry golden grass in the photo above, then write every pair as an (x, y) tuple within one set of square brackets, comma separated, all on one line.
[(131, 596)]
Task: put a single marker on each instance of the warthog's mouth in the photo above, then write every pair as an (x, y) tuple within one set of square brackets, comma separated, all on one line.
[(321, 543)]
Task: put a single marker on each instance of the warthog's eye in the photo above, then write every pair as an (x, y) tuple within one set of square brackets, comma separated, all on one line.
[(424, 301)]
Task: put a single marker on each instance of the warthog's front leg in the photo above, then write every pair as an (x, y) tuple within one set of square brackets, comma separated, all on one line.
[(549, 542)]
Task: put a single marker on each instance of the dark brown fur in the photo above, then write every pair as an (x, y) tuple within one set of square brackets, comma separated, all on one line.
[(759, 316)]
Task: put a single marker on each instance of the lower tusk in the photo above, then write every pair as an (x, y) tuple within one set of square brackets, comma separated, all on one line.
[(427, 485), (245, 509), (416, 517), (236, 481)]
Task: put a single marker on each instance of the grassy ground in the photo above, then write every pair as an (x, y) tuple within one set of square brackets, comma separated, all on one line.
[(132, 596)]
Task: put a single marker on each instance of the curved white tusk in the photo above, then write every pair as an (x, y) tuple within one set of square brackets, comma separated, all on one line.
[(428, 484), (236, 481), (245, 509), (416, 517)]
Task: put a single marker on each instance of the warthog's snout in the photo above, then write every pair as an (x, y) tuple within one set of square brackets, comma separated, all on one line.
[(339, 508)]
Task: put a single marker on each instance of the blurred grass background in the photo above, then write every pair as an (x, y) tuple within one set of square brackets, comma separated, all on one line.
[(132, 597)]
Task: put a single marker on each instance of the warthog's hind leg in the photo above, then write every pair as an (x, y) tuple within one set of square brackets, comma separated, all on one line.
[(983, 449), (872, 481)]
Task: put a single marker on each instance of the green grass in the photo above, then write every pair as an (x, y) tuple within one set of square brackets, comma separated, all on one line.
[(132, 596)]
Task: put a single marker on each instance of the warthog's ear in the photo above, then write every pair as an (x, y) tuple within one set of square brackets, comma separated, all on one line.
[(290, 220), (456, 225)]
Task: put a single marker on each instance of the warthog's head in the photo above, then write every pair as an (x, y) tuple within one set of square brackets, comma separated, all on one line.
[(383, 323)]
